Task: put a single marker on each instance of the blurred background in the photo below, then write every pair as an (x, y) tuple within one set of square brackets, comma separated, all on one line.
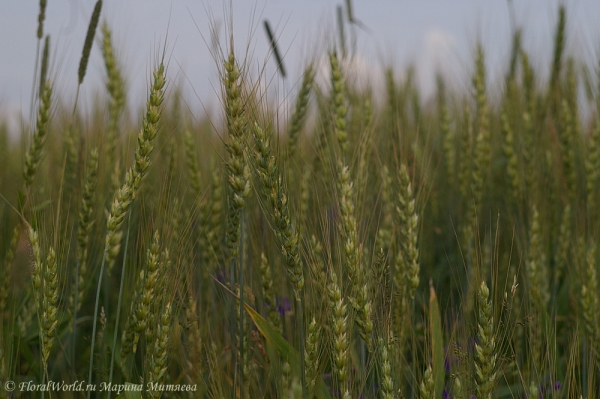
[(430, 35)]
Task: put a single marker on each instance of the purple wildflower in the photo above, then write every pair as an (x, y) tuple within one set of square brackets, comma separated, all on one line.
[(549, 388), (283, 306), (221, 276)]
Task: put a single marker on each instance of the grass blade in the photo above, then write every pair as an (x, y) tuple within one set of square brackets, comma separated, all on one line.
[(437, 341)]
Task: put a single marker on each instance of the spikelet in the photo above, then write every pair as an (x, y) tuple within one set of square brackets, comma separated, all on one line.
[(457, 388), (317, 264), (36, 274), (303, 207), (359, 298), (427, 388), (272, 184), (192, 164), (529, 115), (49, 307), (7, 269), (118, 211), (564, 245), (72, 141), (44, 68), (339, 316), (239, 173), (144, 298), (194, 362), (339, 105), (512, 167), (268, 293), (514, 54), (243, 349), (592, 165), (115, 87), (26, 316), (34, 153), (567, 141), (571, 94), (559, 46), (349, 227), (41, 18), (535, 267), (311, 355), (84, 228), (216, 216), (384, 233), (150, 128), (387, 383), (407, 262), (466, 155), (482, 144), (589, 300), (129, 334), (100, 337), (89, 41), (449, 137), (158, 360), (127, 192), (537, 273), (299, 116), (485, 348)]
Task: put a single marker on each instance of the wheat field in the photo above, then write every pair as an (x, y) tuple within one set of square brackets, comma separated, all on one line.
[(369, 245)]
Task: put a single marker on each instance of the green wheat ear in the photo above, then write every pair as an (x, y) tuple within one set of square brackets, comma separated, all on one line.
[(115, 86), (285, 231), (89, 41), (485, 349), (49, 306), (299, 116), (387, 382), (239, 173), (158, 360), (340, 333), (559, 46), (41, 18), (34, 153), (44, 69), (84, 228)]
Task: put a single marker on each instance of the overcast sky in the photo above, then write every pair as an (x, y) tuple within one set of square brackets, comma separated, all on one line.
[(430, 34)]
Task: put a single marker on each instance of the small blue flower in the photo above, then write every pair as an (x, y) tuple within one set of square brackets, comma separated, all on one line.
[(221, 276), (283, 305)]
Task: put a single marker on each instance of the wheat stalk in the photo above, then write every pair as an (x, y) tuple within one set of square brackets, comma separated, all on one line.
[(126, 194), (485, 349)]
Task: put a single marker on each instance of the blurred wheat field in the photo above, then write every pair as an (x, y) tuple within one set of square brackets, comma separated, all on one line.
[(372, 245)]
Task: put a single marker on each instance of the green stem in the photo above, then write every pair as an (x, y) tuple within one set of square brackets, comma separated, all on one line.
[(114, 346), (75, 295), (300, 321), (35, 81), (43, 366), (241, 280), (96, 318), (232, 319)]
